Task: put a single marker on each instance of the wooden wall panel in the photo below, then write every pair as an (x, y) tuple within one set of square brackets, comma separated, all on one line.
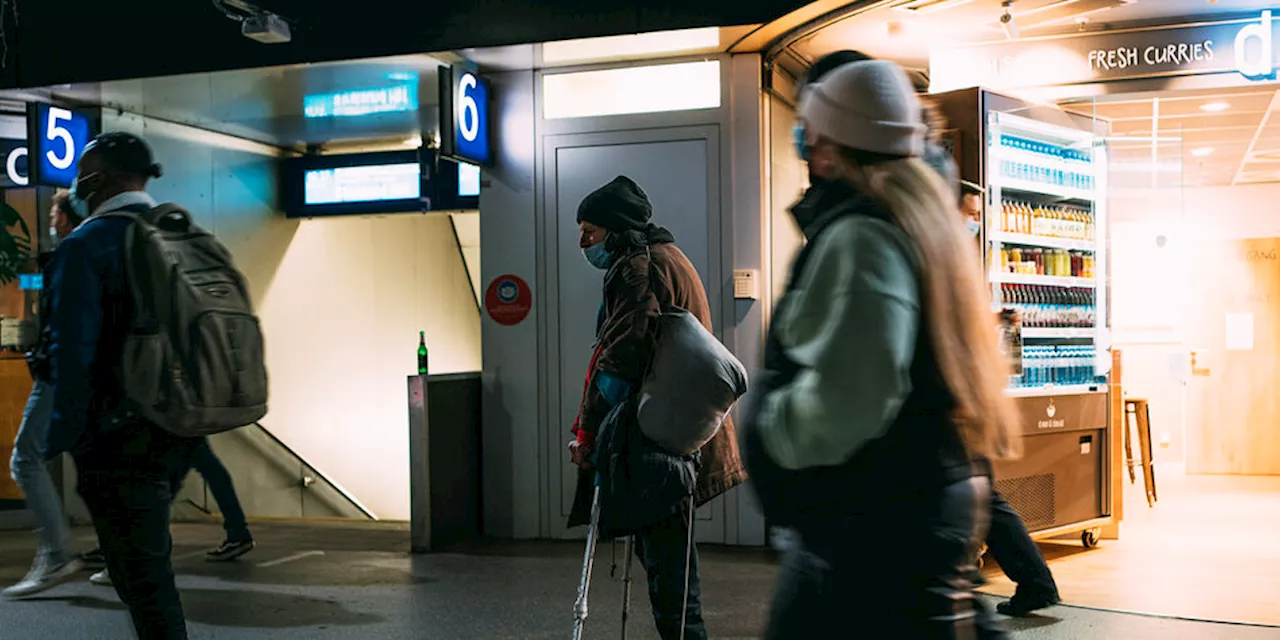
[(15, 386)]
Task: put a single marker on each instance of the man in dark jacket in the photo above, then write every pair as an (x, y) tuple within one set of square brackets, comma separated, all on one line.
[(644, 274), (127, 466)]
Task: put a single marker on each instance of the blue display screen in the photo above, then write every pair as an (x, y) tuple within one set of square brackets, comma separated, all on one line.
[(56, 144), (370, 183), (468, 180), (31, 282), (362, 102), (471, 118)]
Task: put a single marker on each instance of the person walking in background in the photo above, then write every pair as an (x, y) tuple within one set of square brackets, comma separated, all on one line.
[(126, 465), (238, 541), (883, 389), (645, 273), (1008, 539), (55, 563)]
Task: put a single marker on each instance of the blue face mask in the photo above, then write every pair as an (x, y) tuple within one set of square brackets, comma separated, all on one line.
[(598, 256), (79, 201), (798, 139), (973, 226)]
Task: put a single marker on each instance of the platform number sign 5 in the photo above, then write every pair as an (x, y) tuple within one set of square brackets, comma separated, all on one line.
[(58, 137), (465, 117)]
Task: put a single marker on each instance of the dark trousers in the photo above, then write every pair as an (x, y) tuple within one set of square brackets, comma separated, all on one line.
[(128, 480), (901, 573), (1018, 555), (661, 549), (223, 489)]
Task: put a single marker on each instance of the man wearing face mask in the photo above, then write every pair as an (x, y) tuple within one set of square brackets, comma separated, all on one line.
[(127, 467), (54, 563), (645, 273)]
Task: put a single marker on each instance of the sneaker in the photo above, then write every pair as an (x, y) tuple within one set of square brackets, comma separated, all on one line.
[(1020, 605), (102, 579), (230, 550), (93, 560), (44, 577)]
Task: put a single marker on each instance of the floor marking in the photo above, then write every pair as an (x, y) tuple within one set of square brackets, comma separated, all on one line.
[(286, 559)]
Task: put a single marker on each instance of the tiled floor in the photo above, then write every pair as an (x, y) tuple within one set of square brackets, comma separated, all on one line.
[(324, 581)]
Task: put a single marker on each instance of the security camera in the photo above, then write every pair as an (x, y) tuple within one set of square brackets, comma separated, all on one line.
[(1007, 23)]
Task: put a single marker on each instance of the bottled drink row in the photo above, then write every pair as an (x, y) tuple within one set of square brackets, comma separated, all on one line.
[(1051, 307), (1061, 365), (1076, 171), (1050, 221), (1046, 262)]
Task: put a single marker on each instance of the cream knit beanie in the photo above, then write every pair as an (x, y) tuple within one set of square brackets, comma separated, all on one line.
[(868, 105)]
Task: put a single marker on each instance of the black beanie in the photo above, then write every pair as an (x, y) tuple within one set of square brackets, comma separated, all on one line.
[(616, 207)]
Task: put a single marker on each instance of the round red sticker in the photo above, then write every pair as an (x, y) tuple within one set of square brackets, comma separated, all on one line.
[(508, 300)]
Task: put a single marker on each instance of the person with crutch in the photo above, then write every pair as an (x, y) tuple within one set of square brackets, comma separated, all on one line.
[(645, 273)]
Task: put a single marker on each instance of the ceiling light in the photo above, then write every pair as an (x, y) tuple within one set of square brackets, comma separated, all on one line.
[(1202, 152), (1215, 107)]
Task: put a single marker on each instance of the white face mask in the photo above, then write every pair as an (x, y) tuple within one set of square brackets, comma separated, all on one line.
[(973, 227)]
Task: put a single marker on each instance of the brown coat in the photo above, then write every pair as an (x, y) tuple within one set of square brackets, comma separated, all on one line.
[(634, 294)]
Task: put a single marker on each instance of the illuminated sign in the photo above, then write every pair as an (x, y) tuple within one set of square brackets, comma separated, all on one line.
[(31, 282), (468, 180), (15, 157), (1238, 46), (464, 117), (372, 183), (57, 138), (362, 102)]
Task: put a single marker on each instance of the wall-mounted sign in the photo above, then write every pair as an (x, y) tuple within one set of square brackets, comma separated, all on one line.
[(15, 157), (1242, 46), (508, 300), (362, 102), (356, 184), (57, 137), (464, 117)]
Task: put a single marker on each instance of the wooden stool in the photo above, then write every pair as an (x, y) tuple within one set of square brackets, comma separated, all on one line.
[(1139, 409)]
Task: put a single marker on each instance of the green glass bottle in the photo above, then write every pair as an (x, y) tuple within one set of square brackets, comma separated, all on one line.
[(422, 353)]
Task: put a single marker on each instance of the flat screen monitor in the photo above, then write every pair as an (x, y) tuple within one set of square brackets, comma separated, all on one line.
[(356, 184)]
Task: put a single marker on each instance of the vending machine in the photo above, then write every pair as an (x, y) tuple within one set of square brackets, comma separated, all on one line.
[(1044, 239)]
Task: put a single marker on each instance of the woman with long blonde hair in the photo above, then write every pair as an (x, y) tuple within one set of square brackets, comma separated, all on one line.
[(883, 389)]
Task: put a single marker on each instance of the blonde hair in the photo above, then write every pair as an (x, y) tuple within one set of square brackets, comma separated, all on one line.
[(960, 324)]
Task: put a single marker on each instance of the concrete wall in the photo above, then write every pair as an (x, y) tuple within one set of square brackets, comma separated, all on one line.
[(341, 301)]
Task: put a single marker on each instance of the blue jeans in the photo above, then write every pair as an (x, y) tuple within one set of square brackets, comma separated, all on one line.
[(223, 489), (31, 474)]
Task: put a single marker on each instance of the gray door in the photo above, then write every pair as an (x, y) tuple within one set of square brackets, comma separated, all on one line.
[(679, 170)]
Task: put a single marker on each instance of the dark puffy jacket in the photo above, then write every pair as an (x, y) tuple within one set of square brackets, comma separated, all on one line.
[(634, 293)]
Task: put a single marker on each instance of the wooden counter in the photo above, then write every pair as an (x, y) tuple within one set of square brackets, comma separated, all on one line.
[(15, 386)]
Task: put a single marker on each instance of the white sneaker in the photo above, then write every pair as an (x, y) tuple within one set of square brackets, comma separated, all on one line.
[(44, 577), (101, 578)]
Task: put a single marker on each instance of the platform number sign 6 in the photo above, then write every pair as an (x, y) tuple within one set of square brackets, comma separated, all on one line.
[(58, 137), (471, 118), (468, 111)]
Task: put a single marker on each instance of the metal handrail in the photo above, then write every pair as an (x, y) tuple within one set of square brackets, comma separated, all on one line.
[(323, 476)]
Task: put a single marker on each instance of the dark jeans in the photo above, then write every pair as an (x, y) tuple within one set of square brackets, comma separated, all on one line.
[(223, 490), (901, 573), (1017, 553), (661, 548), (128, 480)]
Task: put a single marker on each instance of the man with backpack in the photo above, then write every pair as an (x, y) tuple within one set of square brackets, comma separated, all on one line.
[(154, 345)]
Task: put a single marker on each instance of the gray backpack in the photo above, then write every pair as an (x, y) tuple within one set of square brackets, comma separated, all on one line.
[(193, 358)]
